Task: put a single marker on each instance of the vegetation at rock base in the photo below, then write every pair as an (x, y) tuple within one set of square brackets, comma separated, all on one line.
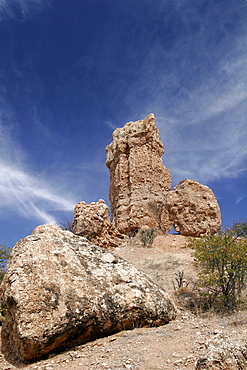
[(67, 225), (4, 257), (222, 263), (240, 228), (147, 237), (180, 281)]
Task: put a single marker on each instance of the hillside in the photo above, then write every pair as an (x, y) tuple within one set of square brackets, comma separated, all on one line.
[(176, 345)]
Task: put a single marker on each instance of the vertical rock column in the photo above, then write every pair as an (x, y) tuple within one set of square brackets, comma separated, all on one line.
[(139, 182)]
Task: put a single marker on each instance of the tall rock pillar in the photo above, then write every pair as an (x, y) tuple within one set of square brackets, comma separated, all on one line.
[(139, 182)]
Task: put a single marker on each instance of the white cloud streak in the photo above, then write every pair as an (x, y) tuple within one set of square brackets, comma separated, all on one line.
[(28, 196), (210, 149), (110, 125), (24, 193), (13, 8), (240, 198), (205, 131)]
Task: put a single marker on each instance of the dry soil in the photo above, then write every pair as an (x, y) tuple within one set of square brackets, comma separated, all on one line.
[(176, 345)]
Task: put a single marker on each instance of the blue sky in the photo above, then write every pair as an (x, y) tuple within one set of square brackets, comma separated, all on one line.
[(71, 71)]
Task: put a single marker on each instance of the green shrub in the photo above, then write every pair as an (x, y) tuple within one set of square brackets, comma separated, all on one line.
[(240, 228), (222, 263), (147, 237), (4, 257)]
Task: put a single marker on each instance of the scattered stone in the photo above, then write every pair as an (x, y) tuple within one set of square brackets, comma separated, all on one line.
[(60, 291), (226, 355), (112, 339), (217, 331), (178, 362)]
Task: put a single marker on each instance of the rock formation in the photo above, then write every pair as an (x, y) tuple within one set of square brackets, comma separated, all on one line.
[(60, 290), (93, 222), (224, 355), (140, 186), (139, 182), (193, 209)]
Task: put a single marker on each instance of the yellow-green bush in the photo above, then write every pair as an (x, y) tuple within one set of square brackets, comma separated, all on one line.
[(222, 264)]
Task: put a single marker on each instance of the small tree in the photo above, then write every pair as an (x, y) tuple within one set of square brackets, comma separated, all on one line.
[(240, 228), (4, 257), (222, 260), (147, 237)]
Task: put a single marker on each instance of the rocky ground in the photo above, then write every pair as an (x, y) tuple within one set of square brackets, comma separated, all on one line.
[(176, 345)]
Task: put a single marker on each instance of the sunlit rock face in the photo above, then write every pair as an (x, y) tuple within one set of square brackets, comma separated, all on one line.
[(193, 209), (93, 222), (60, 291), (223, 354), (139, 182)]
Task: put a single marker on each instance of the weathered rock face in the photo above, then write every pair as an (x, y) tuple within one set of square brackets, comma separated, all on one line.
[(93, 222), (139, 182), (193, 209), (224, 356), (60, 290)]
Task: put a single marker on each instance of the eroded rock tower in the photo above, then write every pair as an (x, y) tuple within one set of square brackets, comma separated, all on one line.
[(139, 182), (140, 185)]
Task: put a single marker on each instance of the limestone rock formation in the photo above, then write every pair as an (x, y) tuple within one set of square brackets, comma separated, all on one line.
[(224, 355), (139, 182), (193, 209), (140, 186), (93, 222), (60, 290)]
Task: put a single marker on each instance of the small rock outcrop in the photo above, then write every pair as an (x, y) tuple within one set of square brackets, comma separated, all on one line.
[(93, 222), (140, 186), (224, 356), (60, 290), (139, 182), (193, 209)]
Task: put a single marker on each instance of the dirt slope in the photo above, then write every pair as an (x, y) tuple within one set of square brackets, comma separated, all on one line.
[(176, 345)]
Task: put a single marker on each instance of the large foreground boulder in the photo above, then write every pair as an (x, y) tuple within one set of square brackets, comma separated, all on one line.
[(60, 290)]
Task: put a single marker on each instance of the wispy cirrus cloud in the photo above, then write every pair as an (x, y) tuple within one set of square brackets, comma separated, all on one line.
[(208, 149), (110, 125), (23, 8), (28, 196), (201, 104), (22, 192)]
